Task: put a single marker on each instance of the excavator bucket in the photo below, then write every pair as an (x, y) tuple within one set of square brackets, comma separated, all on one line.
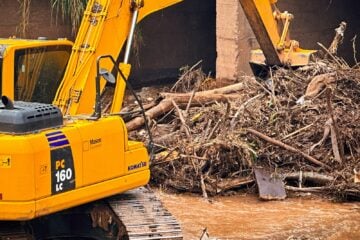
[(277, 49)]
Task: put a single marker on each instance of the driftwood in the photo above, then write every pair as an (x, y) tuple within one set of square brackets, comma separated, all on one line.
[(182, 119), (336, 141), (160, 109), (310, 176), (241, 108), (224, 147), (318, 83), (205, 235), (203, 187), (338, 39), (224, 185), (185, 74), (169, 138), (287, 147), (334, 58), (228, 184), (201, 98), (224, 90), (326, 134), (307, 189)]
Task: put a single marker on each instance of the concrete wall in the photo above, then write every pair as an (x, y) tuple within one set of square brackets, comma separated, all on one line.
[(234, 38), (175, 37), (172, 38), (41, 23), (314, 22)]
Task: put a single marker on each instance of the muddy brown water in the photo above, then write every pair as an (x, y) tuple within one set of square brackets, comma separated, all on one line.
[(247, 217)]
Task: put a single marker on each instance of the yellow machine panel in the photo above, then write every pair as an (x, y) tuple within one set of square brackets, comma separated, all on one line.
[(41, 173)]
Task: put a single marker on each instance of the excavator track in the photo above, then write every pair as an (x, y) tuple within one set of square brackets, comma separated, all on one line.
[(139, 211), (13, 231), (144, 216)]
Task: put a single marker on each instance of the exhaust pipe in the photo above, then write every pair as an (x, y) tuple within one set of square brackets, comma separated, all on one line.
[(8, 103)]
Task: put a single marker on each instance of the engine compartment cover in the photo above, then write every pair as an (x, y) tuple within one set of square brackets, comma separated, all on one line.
[(27, 117)]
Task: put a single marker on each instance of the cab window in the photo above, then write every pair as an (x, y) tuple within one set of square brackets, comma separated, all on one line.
[(39, 71), (1, 63)]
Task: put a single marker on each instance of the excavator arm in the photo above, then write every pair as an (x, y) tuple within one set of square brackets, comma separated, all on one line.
[(105, 27), (276, 46)]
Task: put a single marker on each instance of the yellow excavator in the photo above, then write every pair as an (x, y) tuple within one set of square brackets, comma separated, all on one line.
[(54, 157), (272, 31)]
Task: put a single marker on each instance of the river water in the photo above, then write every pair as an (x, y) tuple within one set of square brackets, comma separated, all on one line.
[(247, 217)]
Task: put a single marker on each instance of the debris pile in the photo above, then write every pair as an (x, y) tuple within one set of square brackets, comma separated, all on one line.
[(303, 125)]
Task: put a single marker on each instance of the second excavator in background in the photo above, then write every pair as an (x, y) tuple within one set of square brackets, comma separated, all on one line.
[(272, 31)]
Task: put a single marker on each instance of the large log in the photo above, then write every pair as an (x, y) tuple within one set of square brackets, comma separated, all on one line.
[(321, 179), (200, 98), (163, 107), (166, 105), (224, 90)]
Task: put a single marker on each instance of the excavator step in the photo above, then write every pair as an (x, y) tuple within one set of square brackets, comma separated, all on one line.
[(144, 216)]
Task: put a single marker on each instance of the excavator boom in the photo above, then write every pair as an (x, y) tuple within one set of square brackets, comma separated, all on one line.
[(104, 29)]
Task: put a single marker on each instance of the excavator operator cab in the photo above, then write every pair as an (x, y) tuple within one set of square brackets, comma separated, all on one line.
[(32, 70)]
